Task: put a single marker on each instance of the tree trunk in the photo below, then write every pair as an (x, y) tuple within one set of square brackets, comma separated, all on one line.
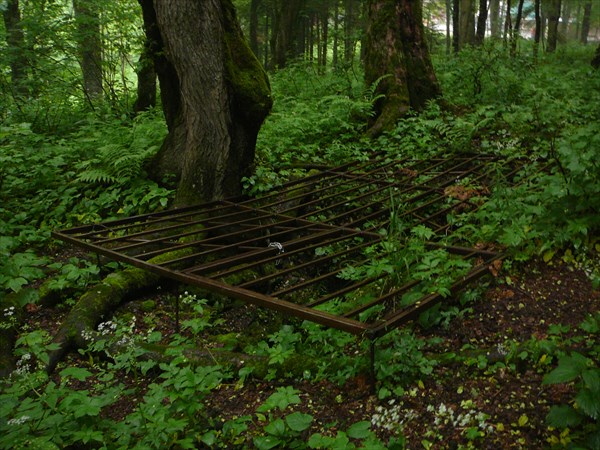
[(563, 28), (585, 23), (284, 32), (336, 26), (553, 19), (89, 41), (507, 22), (215, 97), (325, 37), (456, 25), (146, 80), (466, 31), (517, 29), (397, 58), (351, 8), (596, 59), (254, 5), (15, 42), (495, 18), (538, 29), (481, 22)]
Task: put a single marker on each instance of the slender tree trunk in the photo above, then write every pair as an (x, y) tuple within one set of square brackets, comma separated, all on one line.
[(495, 18), (466, 23), (336, 26), (89, 40), (325, 32), (538, 29), (448, 26), (585, 23), (563, 27), (553, 19), (396, 56), (517, 29), (254, 6), (215, 96), (481, 22), (351, 23), (146, 80), (456, 25), (507, 22), (15, 42), (285, 41)]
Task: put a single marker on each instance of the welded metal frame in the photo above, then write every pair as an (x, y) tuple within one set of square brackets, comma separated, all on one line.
[(288, 250)]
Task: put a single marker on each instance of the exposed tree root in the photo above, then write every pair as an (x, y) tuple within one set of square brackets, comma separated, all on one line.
[(96, 304)]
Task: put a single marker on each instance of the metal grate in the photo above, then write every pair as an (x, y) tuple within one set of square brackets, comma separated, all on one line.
[(292, 250)]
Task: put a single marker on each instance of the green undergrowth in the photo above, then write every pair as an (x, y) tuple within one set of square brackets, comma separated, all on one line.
[(543, 115)]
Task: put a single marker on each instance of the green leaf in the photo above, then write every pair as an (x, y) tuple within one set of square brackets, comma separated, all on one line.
[(266, 442), (276, 428), (359, 430), (569, 368), (591, 378), (298, 421), (563, 416), (75, 372), (589, 403)]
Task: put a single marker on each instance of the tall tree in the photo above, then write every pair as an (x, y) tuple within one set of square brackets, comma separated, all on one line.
[(481, 22), (87, 18), (495, 18), (517, 29), (466, 30), (15, 42), (254, 6), (396, 56), (455, 25), (538, 28), (585, 23), (286, 30), (215, 97), (553, 19), (351, 27)]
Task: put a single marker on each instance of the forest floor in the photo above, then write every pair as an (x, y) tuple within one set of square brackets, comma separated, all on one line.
[(465, 403)]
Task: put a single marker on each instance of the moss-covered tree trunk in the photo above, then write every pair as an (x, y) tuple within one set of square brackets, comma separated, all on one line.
[(89, 41), (397, 60), (215, 96)]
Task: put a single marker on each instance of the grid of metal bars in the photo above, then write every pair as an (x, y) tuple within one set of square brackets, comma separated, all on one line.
[(291, 250)]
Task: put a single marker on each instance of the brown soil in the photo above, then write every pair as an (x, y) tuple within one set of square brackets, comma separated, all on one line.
[(473, 402)]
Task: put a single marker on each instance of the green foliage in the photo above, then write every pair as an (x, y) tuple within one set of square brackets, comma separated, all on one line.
[(583, 414)]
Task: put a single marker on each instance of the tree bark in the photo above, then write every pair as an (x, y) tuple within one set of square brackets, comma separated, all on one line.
[(254, 5), (352, 9), (456, 25), (507, 22), (397, 58), (553, 19), (538, 29), (285, 41), (15, 42), (481, 22), (215, 97), (495, 18), (585, 23), (596, 59), (517, 29), (146, 80), (87, 18), (466, 23)]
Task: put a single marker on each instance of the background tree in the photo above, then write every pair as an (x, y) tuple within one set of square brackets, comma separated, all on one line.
[(87, 18), (481, 22), (397, 60), (15, 47), (215, 96), (585, 23), (553, 19)]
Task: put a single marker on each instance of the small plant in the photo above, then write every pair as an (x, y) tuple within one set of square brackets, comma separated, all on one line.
[(582, 416)]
